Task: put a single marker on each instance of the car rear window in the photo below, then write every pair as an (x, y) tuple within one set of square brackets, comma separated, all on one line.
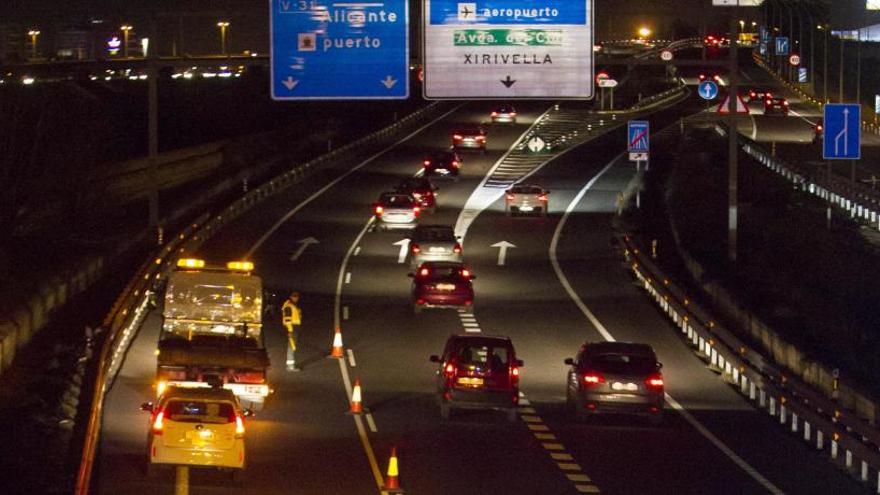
[(401, 200), (434, 234), (495, 358), (469, 131), (622, 363), (444, 273), (527, 190), (199, 411)]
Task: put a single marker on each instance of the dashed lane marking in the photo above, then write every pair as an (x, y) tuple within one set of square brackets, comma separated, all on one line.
[(531, 419), (569, 466), (357, 250), (553, 446), (561, 456), (545, 436), (348, 278), (578, 477), (472, 330), (345, 313), (535, 427), (351, 361), (371, 423), (587, 488)]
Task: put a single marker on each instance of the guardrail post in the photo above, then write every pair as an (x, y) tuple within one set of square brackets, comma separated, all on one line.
[(762, 398), (806, 431), (794, 422), (782, 414), (849, 459), (772, 406), (751, 390), (820, 440)]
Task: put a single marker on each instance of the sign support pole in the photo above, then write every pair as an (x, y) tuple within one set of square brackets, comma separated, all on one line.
[(733, 151), (153, 139)]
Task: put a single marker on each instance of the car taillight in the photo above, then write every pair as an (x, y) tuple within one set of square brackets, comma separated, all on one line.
[(424, 272), (456, 136), (481, 138), (239, 426), (592, 378), (514, 371), (494, 114), (819, 128), (655, 382), (513, 114), (511, 197), (542, 197), (450, 370), (457, 249), (465, 273), (416, 210), (427, 163), (159, 423), (415, 248), (785, 103), (379, 210), (455, 164)]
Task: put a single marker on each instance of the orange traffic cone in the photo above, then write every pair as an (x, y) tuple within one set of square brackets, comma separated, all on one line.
[(337, 351), (392, 482), (356, 407)]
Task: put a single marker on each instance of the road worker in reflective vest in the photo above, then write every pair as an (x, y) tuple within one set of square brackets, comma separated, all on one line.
[(291, 316)]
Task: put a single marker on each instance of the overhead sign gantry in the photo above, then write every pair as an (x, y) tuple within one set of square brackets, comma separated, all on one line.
[(508, 49)]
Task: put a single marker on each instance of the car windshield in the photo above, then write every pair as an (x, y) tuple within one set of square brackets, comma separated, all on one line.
[(622, 363), (527, 190), (482, 357), (397, 200), (199, 411), (434, 234)]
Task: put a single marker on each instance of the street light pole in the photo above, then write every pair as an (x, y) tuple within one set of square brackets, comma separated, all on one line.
[(223, 25), (33, 33), (125, 29), (825, 64), (840, 61), (733, 149)]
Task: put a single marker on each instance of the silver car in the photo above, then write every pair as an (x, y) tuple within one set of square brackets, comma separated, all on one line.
[(434, 243), (526, 199), (503, 114), (396, 211)]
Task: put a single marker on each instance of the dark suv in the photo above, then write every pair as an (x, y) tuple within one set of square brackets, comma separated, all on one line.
[(478, 372), (616, 377)]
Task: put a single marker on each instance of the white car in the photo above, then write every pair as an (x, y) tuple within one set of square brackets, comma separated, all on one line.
[(434, 243), (196, 427), (396, 211), (527, 200)]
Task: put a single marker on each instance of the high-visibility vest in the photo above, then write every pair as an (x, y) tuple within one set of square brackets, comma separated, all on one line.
[(290, 314)]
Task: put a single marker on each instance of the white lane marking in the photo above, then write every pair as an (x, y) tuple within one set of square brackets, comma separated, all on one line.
[(348, 278), (733, 456), (371, 423), (335, 181), (805, 119), (351, 361), (357, 251), (404, 249), (343, 369), (345, 312), (472, 330)]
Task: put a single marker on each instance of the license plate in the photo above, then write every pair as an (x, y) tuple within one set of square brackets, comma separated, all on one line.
[(445, 286), (253, 389), (200, 437), (526, 208), (472, 382), (630, 387), (442, 171), (435, 249)]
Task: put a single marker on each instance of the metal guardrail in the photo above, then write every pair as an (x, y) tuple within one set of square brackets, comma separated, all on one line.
[(862, 202), (127, 313), (851, 443)]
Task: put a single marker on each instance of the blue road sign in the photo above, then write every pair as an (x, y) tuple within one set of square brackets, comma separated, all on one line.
[(638, 141), (764, 33), (708, 90), (782, 45), (324, 49), (843, 132), (763, 48)]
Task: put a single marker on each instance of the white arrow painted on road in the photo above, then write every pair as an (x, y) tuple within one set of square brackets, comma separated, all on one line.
[(389, 81), (290, 82), (404, 248), (843, 134), (502, 252), (303, 245)]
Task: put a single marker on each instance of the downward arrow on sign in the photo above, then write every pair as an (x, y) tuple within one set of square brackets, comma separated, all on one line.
[(290, 82), (502, 252), (508, 82)]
